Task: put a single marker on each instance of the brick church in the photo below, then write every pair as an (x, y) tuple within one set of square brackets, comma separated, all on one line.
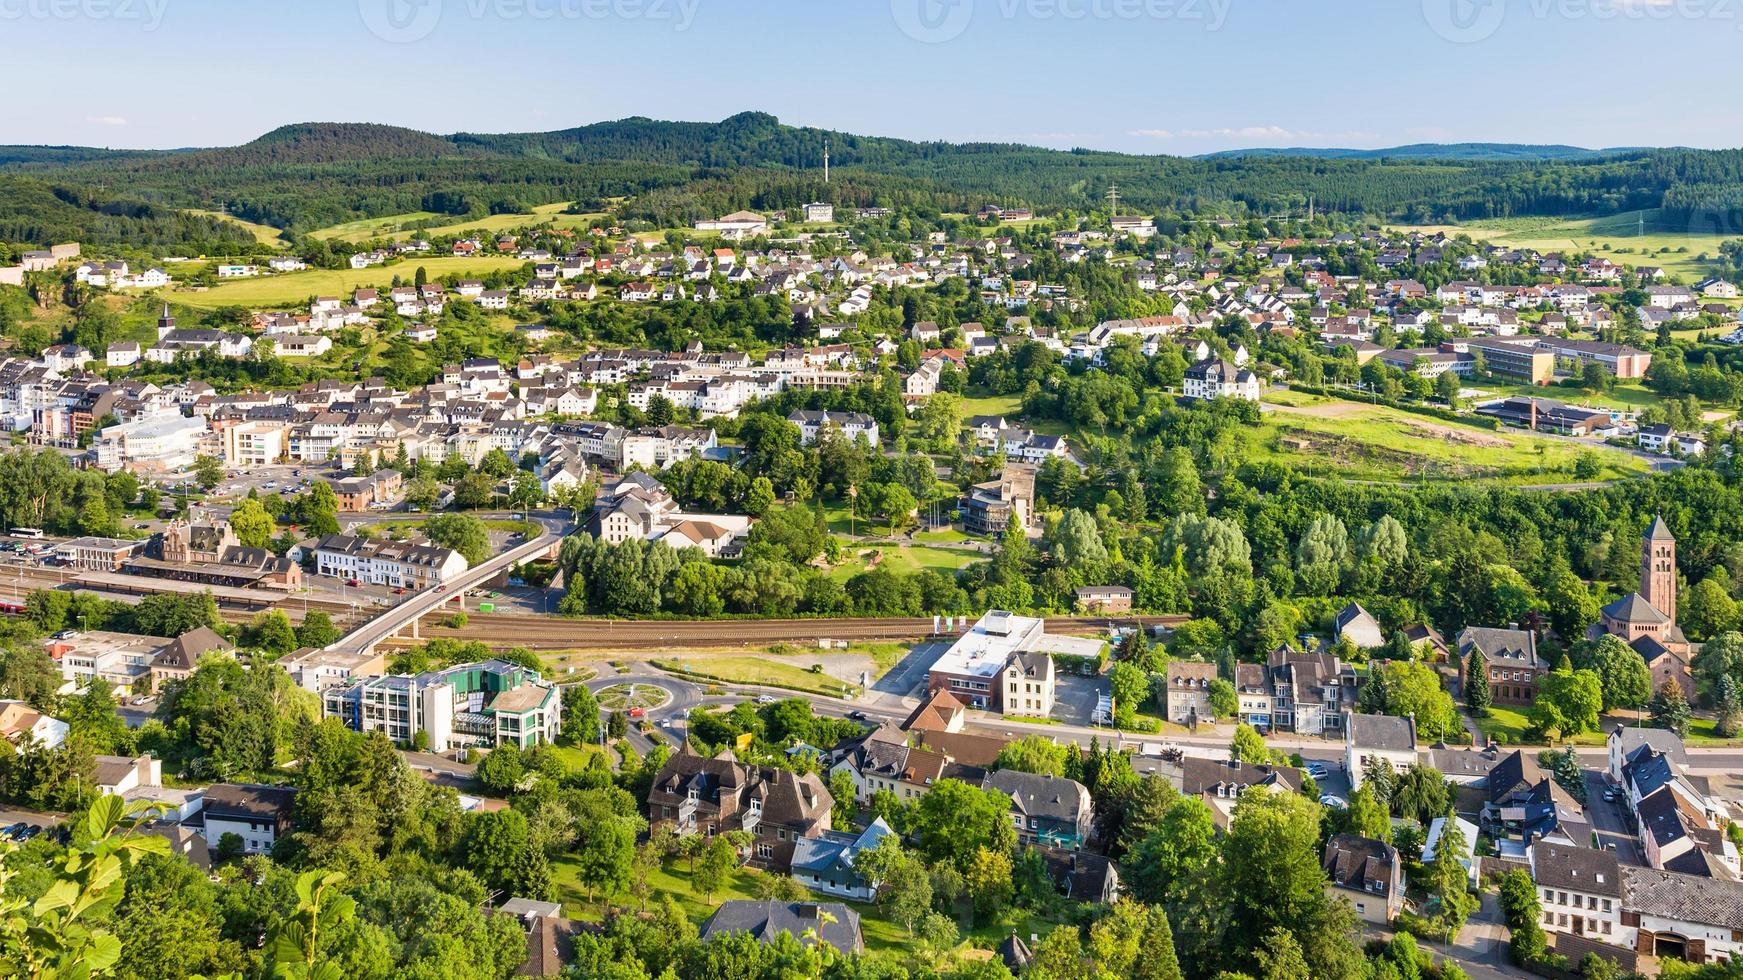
[(1646, 620)]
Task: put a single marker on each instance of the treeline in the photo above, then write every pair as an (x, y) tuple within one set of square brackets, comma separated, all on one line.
[(36, 213)]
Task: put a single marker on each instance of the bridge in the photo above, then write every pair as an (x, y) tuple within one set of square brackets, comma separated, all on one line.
[(407, 614)]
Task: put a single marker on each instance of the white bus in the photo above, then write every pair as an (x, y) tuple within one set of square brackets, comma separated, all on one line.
[(32, 533)]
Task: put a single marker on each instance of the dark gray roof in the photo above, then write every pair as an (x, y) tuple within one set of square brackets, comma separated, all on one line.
[(1684, 898), (1382, 732), (766, 920), (1660, 739), (1576, 868), (1517, 648), (1053, 797)]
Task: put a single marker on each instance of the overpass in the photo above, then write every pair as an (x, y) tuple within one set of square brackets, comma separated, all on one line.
[(365, 638)]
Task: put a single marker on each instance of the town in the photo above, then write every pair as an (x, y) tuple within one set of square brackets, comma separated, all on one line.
[(749, 550)]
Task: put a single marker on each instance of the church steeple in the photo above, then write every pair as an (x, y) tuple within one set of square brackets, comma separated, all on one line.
[(1658, 568)]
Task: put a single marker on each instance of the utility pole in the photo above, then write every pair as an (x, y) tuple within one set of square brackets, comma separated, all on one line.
[(1113, 200)]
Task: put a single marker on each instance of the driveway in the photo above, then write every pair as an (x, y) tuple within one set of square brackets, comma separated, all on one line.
[(1608, 822)]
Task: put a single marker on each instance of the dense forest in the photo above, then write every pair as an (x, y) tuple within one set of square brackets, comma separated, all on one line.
[(39, 213), (307, 176)]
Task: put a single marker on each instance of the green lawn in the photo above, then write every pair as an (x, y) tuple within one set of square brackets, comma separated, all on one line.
[(1670, 245), (490, 226), (620, 696), (1373, 442), (760, 671), (297, 287), (904, 559)]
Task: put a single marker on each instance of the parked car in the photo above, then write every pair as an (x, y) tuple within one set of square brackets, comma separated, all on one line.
[(1317, 770), (354, 583), (766, 699)]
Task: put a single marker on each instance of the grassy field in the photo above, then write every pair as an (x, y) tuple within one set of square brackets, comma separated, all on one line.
[(759, 671), (264, 234), (1508, 725), (907, 560), (1626, 397), (383, 227), (404, 226), (1673, 246), (1372, 442), (296, 287)]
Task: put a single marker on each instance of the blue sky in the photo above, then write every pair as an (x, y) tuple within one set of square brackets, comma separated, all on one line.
[(1153, 76)]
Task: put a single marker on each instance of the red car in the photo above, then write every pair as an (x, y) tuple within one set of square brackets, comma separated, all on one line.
[(441, 589), (354, 583), (399, 591)]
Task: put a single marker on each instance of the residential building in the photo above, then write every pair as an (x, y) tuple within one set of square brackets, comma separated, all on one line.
[(19, 722), (693, 794), (1308, 694), (1378, 740), (176, 660), (259, 815), (357, 494), (1216, 378), (830, 923), (1220, 783), (98, 554), (485, 704), (882, 761), (638, 507), (1514, 668), (399, 564), (1523, 802), (1189, 692), (852, 425), (827, 864), (1368, 873), (1360, 626), (121, 660), (1047, 810), (1580, 890), (1104, 599)]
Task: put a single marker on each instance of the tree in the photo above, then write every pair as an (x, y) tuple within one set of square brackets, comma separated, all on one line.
[(272, 633), (1249, 746), (525, 491), (502, 768), (1077, 543), (718, 859), (1568, 703), (1367, 814), (500, 851), (1271, 868), (1034, 753), (1708, 611), (1411, 688), (1445, 880), (903, 881), (421, 493), (462, 532), (1524, 916), (208, 471), (955, 820), (1477, 694), (1223, 701), (318, 509), (1625, 679), (317, 629), (1130, 686), (1728, 709), (1670, 708), (473, 491), (580, 715), (57, 928), (988, 879)]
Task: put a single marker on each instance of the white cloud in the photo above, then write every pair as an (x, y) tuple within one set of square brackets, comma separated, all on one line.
[(107, 120)]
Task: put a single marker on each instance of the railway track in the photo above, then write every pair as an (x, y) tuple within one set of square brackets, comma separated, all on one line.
[(542, 633)]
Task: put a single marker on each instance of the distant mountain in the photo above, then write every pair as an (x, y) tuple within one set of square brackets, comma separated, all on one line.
[(668, 174), (1475, 152)]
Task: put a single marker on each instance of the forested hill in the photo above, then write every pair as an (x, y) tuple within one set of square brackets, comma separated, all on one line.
[(310, 175), (39, 213), (1434, 151)]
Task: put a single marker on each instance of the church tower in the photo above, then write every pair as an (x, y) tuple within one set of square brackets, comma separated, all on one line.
[(1658, 569)]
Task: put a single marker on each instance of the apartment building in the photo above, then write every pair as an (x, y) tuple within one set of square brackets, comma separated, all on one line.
[(1004, 664), (482, 704), (393, 563)]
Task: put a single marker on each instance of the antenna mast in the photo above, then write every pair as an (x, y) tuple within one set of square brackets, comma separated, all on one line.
[(826, 161)]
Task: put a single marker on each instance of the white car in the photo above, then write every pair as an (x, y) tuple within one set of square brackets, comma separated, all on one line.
[(1317, 770), (1335, 802)]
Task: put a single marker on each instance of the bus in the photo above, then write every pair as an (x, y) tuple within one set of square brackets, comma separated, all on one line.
[(32, 533)]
